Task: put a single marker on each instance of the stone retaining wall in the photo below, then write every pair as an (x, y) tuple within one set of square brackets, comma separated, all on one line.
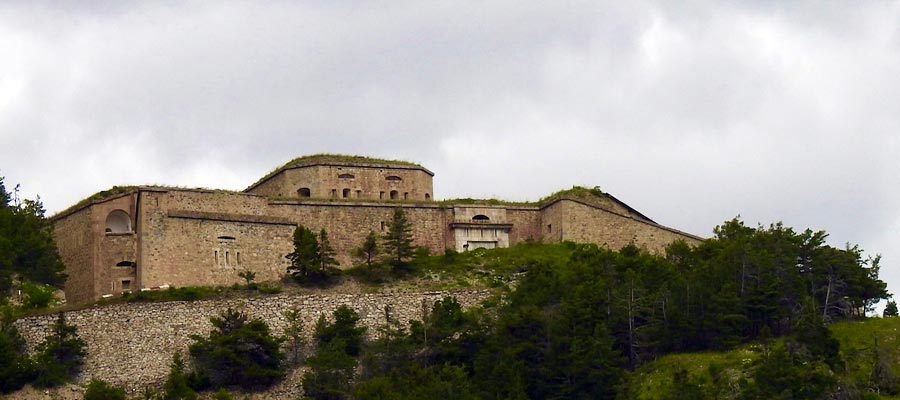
[(131, 345)]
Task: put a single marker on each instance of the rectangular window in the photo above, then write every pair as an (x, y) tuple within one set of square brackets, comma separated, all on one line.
[(333, 192), (382, 224), (227, 261), (238, 257), (126, 284), (216, 257), (381, 195), (405, 195), (550, 228)]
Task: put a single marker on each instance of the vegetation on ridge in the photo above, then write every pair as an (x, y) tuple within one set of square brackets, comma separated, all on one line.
[(334, 158), (115, 191), (345, 158)]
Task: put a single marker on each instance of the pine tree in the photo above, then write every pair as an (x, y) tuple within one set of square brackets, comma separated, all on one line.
[(60, 356), (305, 256), (369, 248), (239, 351), (398, 241), (326, 252), (890, 310), (293, 334), (176, 386), (27, 248), (16, 368)]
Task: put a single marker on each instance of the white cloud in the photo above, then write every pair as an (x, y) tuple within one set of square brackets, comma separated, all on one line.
[(690, 112)]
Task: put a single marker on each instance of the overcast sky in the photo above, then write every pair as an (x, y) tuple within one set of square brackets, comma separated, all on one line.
[(691, 113)]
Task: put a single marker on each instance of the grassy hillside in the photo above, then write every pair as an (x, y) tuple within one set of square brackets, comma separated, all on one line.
[(726, 373)]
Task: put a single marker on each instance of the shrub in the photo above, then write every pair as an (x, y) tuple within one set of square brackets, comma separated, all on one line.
[(222, 394), (38, 296), (176, 386), (60, 356), (190, 293), (344, 328), (238, 352), (100, 390), (330, 371), (268, 288), (16, 369), (293, 334)]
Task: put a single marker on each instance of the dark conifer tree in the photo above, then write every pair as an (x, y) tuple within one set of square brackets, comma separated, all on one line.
[(398, 240), (306, 254)]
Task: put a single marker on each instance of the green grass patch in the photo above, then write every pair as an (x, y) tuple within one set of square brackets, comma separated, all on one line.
[(723, 372), (494, 268), (191, 293), (861, 339), (713, 371)]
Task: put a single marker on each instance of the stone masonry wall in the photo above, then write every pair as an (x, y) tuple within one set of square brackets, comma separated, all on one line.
[(74, 240), (132, 344), (526, 224), (209, 252), (348, 224), (363, 182), (586, 224), (203, 250)]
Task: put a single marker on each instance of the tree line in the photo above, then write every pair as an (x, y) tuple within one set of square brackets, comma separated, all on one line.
[(312, 260)]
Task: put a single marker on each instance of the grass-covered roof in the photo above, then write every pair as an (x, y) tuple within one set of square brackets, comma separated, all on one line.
[(327, 158), (344, 159)]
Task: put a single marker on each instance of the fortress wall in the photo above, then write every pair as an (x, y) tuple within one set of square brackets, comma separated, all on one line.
[(608, 204), (132, 344), (115, 248), (552, 227), (586, 224), (526, 225), (185, 238), (296, 178), (274, 186), (87, 250), (194, 252), (367, 182), (348, 224), (75, 242), (209, 201)]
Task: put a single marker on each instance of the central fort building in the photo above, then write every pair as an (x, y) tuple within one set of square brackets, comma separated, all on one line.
[(130, 238)]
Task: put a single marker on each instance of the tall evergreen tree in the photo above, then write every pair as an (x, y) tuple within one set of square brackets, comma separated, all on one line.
[(890, 310), (238, 352), (326, 252), (369, 248), (398, 240), (16, 368), (27, 248), (305, 256)]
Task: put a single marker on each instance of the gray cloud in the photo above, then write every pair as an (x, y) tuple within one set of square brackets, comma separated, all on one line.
[(692, 113)]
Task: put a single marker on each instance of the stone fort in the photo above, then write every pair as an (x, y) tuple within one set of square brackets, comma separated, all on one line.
[(136, 237)]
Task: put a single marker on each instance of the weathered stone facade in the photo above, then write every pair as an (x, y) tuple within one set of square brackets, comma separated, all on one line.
[(143, 237), (132, 345)]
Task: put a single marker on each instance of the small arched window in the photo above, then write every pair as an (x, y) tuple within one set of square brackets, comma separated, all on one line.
[(304, 192), (346, 176), (427, 196), (480, 218), (393, 178), (125, 264), (118, 221), (346, 193), (393, 195)]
